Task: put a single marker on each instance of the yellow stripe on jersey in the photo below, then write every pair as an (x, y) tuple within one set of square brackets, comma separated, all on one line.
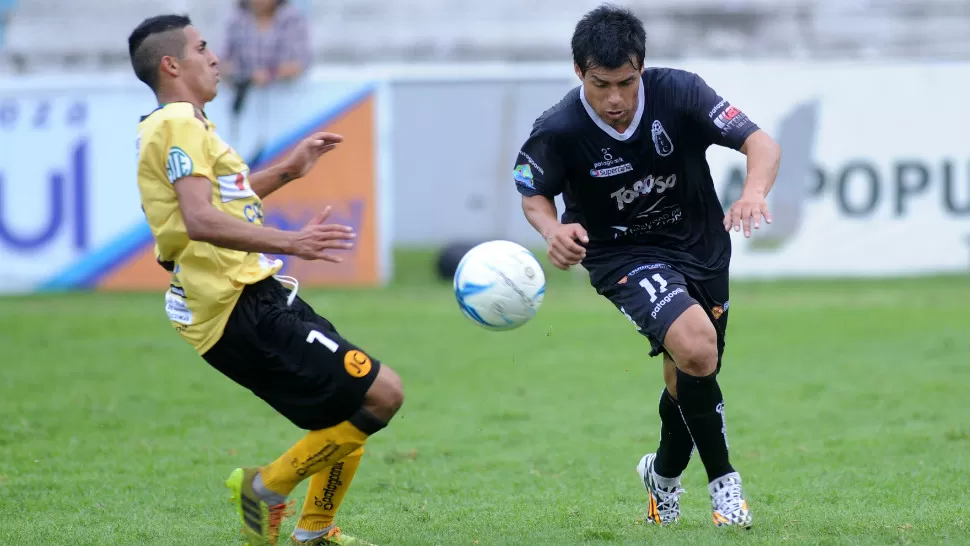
[(174, 142)]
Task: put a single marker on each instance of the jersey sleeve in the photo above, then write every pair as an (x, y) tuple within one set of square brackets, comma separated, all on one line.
[(719, 122), (538, 168), (186, 150)]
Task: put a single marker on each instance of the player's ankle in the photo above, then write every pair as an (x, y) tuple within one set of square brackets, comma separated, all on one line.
[(268, 495), (304, 535)]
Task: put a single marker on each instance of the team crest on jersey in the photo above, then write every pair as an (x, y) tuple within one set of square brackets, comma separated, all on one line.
[(179, 164), (661, 140), (235, 186)]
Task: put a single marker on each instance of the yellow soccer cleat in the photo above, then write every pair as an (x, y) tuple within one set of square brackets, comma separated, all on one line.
[(260, 521)]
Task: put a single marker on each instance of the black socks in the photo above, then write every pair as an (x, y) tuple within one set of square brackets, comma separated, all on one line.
[(702, 406)]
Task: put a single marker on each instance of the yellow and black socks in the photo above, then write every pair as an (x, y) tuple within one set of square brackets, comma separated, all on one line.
[(317, 450), (676, 444), (702, 405), (327, 490)]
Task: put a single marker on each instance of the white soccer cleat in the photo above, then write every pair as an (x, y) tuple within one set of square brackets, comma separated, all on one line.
[(727, 500), (664, 504)]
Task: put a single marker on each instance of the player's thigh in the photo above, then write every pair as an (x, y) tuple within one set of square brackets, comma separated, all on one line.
[(713, 295), (385, 394), (652, 297), (692, 342), (302, 368)]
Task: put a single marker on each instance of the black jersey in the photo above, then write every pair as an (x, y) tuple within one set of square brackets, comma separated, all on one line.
[(645, 194)]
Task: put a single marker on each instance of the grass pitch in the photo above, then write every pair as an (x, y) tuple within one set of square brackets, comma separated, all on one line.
[(846, 403)]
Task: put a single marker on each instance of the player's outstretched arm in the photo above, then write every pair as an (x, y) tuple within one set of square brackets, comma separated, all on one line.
[(764, 157), (205, 223), (563, 239), (295, 165)]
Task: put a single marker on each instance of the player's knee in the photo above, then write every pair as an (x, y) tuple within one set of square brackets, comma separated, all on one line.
[(700, 358), (692, 342), (386, 394)]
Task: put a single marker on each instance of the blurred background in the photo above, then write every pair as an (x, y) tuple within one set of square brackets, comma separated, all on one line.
[(435, 97)]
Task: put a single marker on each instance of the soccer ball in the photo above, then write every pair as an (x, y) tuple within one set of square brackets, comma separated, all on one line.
[(499, 285)]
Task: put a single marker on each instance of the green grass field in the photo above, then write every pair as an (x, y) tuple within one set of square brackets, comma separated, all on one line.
[(847, 406)]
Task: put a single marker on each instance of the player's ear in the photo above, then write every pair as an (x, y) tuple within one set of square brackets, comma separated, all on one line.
[(579, 71), (170, 65)]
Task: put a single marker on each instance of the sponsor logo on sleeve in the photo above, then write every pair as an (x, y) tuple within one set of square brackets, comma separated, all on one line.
[(235, 186), (523, 176), (729, 119)]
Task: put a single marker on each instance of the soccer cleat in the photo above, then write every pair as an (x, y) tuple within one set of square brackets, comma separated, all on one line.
[(730, 507), (664, 503), (260, 521), (333, 536)]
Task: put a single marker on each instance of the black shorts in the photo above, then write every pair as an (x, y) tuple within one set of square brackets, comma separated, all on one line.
[(653, 295), (292, 358)]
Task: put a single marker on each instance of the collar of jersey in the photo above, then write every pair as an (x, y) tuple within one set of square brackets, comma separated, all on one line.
[(625, 135), (164, 104)]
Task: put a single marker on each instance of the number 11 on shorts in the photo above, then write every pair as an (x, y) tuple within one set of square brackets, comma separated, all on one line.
[(648, 286)]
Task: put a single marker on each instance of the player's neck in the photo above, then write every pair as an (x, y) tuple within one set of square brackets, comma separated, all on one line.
[(620, 125), (170, 97)]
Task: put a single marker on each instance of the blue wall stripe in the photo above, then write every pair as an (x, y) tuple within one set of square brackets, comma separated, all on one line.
[(92, 266)]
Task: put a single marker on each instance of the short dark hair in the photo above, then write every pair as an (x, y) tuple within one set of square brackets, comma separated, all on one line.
[(152, 40), (609, 37)]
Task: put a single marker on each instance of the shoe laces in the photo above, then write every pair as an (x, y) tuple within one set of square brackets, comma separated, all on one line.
[(668, 502), (728, 497), (277, 513), (333, 534)]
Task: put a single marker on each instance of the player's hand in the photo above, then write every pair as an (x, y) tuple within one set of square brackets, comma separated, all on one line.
[(261, 77), (308, 151), (747, 213), (564, 245), (316, 238)]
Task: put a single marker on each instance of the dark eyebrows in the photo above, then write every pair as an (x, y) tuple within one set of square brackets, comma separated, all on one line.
[(598, 81)]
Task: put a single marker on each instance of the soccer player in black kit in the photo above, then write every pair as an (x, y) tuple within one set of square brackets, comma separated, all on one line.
[(626, 149)]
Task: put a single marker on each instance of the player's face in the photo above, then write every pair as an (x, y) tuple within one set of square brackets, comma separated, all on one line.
[(199, 66), (612, 93), (263, 7)]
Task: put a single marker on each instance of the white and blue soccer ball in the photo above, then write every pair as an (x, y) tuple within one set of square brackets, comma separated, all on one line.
[(499, 285)]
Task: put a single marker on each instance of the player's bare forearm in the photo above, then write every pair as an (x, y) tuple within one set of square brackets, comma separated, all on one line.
[(540, 211), (212, 226), (205, 223), (266, 181), (764, 156)]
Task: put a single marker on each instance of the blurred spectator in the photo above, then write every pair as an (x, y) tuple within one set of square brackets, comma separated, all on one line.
[(6, 6), (268, 40)]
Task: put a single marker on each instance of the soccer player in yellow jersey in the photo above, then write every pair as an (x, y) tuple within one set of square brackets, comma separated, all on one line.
[(225, 299)]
